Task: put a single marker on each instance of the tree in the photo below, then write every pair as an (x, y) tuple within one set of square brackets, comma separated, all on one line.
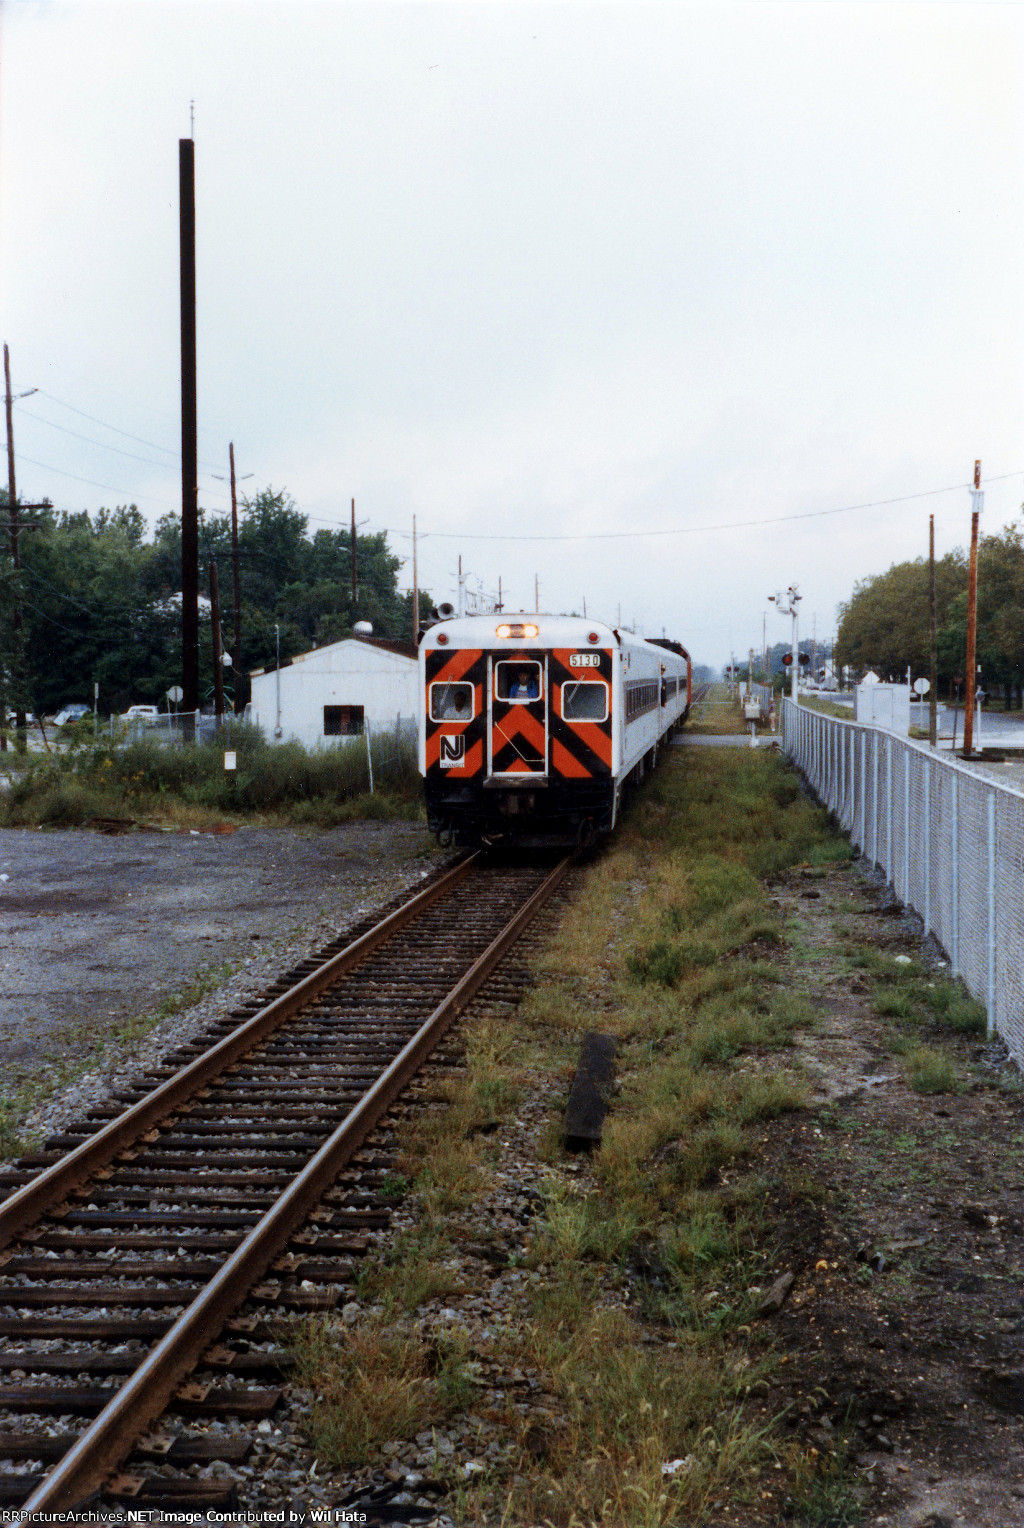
[(101, 602), (884, 624)]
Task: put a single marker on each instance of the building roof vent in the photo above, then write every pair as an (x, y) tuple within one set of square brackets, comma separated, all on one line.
[(362, 629)]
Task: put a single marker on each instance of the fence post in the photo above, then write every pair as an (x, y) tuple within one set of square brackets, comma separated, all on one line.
[(863, 792), (890, 867), (906, 826), (991, 1003), (927, 847), (369, 758), (954, 796), (874, 798)]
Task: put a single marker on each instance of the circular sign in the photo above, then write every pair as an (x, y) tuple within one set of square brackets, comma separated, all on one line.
[(175, 693), (921, 686)]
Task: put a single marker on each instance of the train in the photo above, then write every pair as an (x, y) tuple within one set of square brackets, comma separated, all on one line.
[(532, 727)]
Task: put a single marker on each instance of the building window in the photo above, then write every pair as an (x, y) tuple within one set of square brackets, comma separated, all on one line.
[(343, 721)]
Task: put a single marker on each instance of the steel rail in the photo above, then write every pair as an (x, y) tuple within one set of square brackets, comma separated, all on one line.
[(109, 1439), (53, 1184)]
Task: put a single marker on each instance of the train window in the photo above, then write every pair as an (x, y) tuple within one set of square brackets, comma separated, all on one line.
[(584, 702), (515, 680), (451, 701), (343, 721)]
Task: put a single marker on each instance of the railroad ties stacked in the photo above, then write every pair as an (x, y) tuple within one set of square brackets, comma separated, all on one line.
[(95, 1290)]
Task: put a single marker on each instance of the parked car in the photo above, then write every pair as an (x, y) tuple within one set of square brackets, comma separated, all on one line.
[(141, 714), (72, 713)]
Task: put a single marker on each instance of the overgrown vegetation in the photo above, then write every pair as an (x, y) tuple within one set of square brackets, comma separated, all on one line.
[(642, 1273), (147, 780)]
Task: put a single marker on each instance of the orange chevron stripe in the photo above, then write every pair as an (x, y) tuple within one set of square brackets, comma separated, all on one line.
[(566, 765), (457, 664), (518, 722)]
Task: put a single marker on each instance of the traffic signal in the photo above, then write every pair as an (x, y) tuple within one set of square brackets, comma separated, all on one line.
[(787, 659)]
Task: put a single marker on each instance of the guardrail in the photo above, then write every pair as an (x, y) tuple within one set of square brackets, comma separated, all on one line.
[(949, 841)]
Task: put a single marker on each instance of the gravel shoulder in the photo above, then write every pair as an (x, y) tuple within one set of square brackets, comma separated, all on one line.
[(105, 937)]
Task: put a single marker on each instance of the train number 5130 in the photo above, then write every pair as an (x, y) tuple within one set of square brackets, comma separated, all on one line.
[(584, 660)]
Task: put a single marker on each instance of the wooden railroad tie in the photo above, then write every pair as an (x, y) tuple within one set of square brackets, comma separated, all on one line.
[(590, 1095)]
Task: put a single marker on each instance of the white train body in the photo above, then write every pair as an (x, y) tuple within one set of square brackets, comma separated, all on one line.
[(531, 726)]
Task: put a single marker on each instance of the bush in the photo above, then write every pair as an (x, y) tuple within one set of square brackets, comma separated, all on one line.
[(325, 786)]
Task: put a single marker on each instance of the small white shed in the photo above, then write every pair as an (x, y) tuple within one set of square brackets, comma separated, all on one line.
[(883, 705), (337, 691)]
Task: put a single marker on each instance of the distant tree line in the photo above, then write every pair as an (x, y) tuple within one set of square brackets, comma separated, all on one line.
[(100, 600), (884, 624)]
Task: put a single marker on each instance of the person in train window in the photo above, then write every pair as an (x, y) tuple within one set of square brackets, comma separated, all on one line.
[(524, 686)]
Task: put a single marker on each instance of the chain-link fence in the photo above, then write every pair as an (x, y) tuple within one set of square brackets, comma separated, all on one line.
[(950, 843)]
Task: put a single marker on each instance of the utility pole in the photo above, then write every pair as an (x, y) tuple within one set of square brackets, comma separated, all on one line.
[(501, 605), (189, 452), (14, 528), (218, 657), (236, 588), (970, 671), (461, 606), (415, 591), (353, 554), (933, 667)]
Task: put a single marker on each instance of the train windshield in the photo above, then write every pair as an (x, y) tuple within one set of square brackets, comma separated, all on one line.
[(517, 680), (585, 701), (451, 701)]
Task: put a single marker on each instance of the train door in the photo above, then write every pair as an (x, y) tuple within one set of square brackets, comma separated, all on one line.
[(517, 731)]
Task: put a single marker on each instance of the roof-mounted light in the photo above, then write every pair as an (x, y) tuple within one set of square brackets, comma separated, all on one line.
[(516, 629)]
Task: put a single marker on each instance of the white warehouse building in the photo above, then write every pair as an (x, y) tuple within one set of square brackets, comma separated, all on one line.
[(341, 690)]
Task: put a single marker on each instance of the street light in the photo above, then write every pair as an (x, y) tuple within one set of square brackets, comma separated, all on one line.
[(786, 604)]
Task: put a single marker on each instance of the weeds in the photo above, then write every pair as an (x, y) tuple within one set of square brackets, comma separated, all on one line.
[(151, 780), (932, 1071), (371, 1385)]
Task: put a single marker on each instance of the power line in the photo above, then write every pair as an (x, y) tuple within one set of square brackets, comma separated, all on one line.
[(139, 439), (693, 530), (92, 440)]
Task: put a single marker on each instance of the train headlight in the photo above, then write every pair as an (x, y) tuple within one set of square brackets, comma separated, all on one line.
[(518, 629)]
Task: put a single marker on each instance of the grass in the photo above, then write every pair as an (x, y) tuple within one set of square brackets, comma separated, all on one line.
[(374, 1385), (932, 1071), (637, 1277), (909, 992), (150, 781)]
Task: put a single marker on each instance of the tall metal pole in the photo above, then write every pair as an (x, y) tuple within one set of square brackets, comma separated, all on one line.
[(933, 666), (970, 676), (236, 590), (189, 451), (218, 664), (415, 590), (352, 551), (14, 528)]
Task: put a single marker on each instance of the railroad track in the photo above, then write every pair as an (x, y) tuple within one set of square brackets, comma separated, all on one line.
[(152, 1254)]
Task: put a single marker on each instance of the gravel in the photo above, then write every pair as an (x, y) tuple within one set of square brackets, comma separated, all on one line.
[(100, 931)]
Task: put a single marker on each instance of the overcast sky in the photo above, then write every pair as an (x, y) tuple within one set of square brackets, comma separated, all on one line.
[(533, 270)]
